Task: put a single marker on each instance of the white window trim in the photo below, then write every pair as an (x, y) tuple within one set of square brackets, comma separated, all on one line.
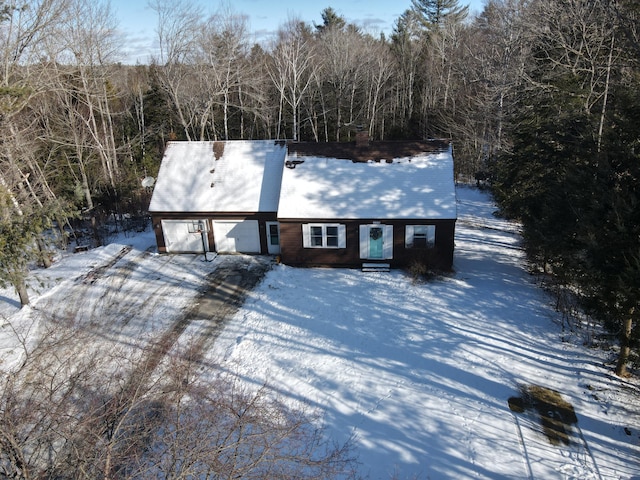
[(306, 235), (272, 248), (410, 231)]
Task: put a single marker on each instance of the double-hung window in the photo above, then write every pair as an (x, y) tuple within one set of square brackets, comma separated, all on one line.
[(420, 236), (323, 235)]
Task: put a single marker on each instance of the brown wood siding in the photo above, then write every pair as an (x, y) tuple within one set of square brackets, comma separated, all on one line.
[(293, 252), (261, 217), (439, 257)]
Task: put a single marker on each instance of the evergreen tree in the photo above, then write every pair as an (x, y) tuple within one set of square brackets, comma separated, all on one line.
[(21, 241), (434, 13), (572, 175), (611, 275), (331, 20)]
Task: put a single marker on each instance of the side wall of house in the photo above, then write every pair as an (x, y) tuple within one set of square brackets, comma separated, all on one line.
[(294, 253)]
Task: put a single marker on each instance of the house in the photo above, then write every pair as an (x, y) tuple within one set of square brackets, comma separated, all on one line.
[(315, 204), (218, 196), (385, 203)]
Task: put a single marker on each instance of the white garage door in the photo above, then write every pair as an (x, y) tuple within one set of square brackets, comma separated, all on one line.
[(182, 236), (236, 236)]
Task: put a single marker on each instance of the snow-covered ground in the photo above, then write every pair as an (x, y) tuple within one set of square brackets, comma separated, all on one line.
[(418, 373)]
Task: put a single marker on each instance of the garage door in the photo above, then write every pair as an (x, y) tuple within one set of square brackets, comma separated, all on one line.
[(237, 236), (182, 236)]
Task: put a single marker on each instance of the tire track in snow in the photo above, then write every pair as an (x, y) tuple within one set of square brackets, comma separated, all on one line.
[(121, 301), (97, 272), (224, 293), (78, 291), (227, 291)]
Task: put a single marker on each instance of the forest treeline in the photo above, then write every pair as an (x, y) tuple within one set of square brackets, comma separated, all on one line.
[(541, 99)]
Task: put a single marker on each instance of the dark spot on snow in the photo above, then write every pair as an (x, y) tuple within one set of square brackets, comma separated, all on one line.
[(556, 415), (516, 404)]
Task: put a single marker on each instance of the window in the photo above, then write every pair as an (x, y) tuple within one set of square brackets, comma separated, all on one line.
[(274, 234), (420, 236), (324, 235), (332, 236), (317, 236)]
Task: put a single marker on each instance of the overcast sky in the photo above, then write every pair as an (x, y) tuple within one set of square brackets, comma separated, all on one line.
[(138, 21)]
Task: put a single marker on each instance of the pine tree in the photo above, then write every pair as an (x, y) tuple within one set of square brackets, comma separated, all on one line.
[(19, 230), (331, 20), (572, 175), (434, 13)]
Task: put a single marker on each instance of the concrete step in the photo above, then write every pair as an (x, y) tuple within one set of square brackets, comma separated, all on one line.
[(376, 267)]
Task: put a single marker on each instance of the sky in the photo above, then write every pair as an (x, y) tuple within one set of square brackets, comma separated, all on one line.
[(137, 21)]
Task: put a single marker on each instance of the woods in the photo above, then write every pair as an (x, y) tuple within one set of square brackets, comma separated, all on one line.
[(540, 97)]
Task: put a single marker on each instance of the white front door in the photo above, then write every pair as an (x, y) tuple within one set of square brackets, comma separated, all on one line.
[(273, 238)]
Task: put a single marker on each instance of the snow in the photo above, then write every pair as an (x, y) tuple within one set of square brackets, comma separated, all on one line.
[(246, 178), (419, 374), (406, 188)]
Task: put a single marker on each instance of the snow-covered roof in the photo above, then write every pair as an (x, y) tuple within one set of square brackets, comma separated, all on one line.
[(419, 186), (231, 176)]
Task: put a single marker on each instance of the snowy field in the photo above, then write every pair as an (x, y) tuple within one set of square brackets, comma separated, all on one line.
[(418, 374)]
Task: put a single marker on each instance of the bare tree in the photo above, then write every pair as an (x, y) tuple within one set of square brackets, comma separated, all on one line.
[(292, 70), (178, 26), (27, 203), (578, 39), (344, 59), (221, 60), (407, 50), (380, 72), (90, 48), (77, 408), (490, 67)]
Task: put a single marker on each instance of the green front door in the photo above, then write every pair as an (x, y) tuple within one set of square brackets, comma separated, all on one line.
[(375, 242)]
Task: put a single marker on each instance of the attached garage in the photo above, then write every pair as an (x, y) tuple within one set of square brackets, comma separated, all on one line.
[(241, 236), (232, 187), (182, 236)]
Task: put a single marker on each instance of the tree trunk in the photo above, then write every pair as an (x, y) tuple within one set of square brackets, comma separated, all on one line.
[(44, 252), (21, 289), (606, 94), (625, 345)]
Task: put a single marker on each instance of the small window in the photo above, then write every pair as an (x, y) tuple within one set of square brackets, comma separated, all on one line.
[(420, 236), (323, 235), (274, 235)]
